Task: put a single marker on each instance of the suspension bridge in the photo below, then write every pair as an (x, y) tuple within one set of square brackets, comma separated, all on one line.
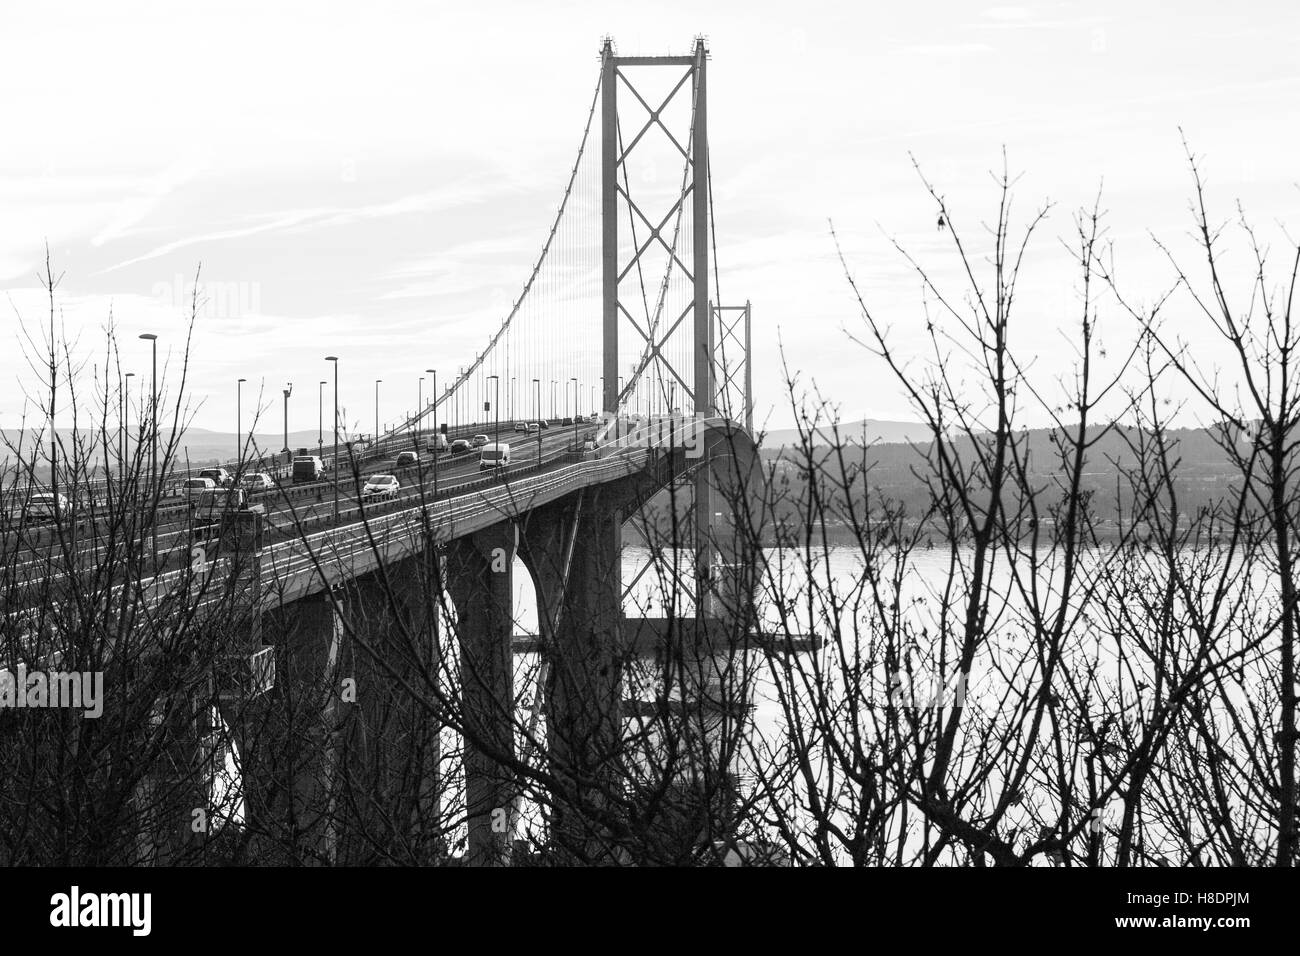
[(619, 340)]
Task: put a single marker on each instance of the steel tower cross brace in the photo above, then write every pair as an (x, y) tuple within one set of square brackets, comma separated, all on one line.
[(698, 382), (692, 205)]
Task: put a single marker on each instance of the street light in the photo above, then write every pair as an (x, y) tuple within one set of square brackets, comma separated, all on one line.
[(121, 425), (552, 398), (496, 410), (434, 373), (574, 380), (320, 419), (153, 434), (239, 422), (334, 468), (287, 392), (455, 406), (377, 381), (537, 413)]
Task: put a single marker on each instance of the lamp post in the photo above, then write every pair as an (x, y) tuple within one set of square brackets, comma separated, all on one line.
[(496, 411), (320, 419), (434, 373), (552, 398), (537, 414), (377, 381), (574, 380), (334, 467), (419, 412), (153, 436), (122, 406), (239, 422), (287, 392), (512, 414), (455, 406)]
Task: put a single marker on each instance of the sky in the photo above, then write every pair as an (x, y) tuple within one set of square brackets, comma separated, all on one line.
[(375, 180)]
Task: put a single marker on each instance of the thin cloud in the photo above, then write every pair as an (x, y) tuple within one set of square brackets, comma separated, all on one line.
[(324, 217), (947, 49)]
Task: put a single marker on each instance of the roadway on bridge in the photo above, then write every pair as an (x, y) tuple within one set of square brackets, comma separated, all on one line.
[(292, 508)]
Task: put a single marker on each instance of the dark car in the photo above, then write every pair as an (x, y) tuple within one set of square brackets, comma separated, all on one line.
[(208, 506), (407, 458), (543, 423), (567, 421), (460, 446)]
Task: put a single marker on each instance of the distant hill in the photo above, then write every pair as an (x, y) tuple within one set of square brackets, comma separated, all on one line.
[(875, 431), (199, 445)]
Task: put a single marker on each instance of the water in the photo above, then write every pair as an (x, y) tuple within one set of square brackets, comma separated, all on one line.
[(897, 642)]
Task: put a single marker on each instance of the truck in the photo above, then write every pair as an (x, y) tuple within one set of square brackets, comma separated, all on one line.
[(494, 455), (308, 468)]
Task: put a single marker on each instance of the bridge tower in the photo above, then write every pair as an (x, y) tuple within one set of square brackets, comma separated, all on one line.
[(624, 260), (685, 344)]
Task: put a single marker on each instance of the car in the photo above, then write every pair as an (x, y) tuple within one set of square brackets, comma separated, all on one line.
[(478, 441), (193, 486), (381, 486), (460, 446), (220, 477), (407, 458), (220, 499), (42, 504), (207, 507), (257, 481), (567, 420), (543, 423), (534, 427), (521, 426), (494, 455)]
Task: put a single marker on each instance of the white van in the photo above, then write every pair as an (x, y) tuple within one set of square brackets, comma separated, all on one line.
[(494, 455)]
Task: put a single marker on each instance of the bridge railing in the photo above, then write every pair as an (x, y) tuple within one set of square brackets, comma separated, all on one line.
[(461, 501), (345, 543)]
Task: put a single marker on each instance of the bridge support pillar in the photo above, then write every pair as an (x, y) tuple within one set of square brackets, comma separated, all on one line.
[(289, 765), (480, 582), (224, 669), (389, 788), (573, 550)]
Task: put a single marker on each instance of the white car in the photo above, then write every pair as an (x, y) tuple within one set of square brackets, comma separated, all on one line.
[(257, 481), (191, 487), (478, 441), (41, 506), (521, 426), (381, 486)]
